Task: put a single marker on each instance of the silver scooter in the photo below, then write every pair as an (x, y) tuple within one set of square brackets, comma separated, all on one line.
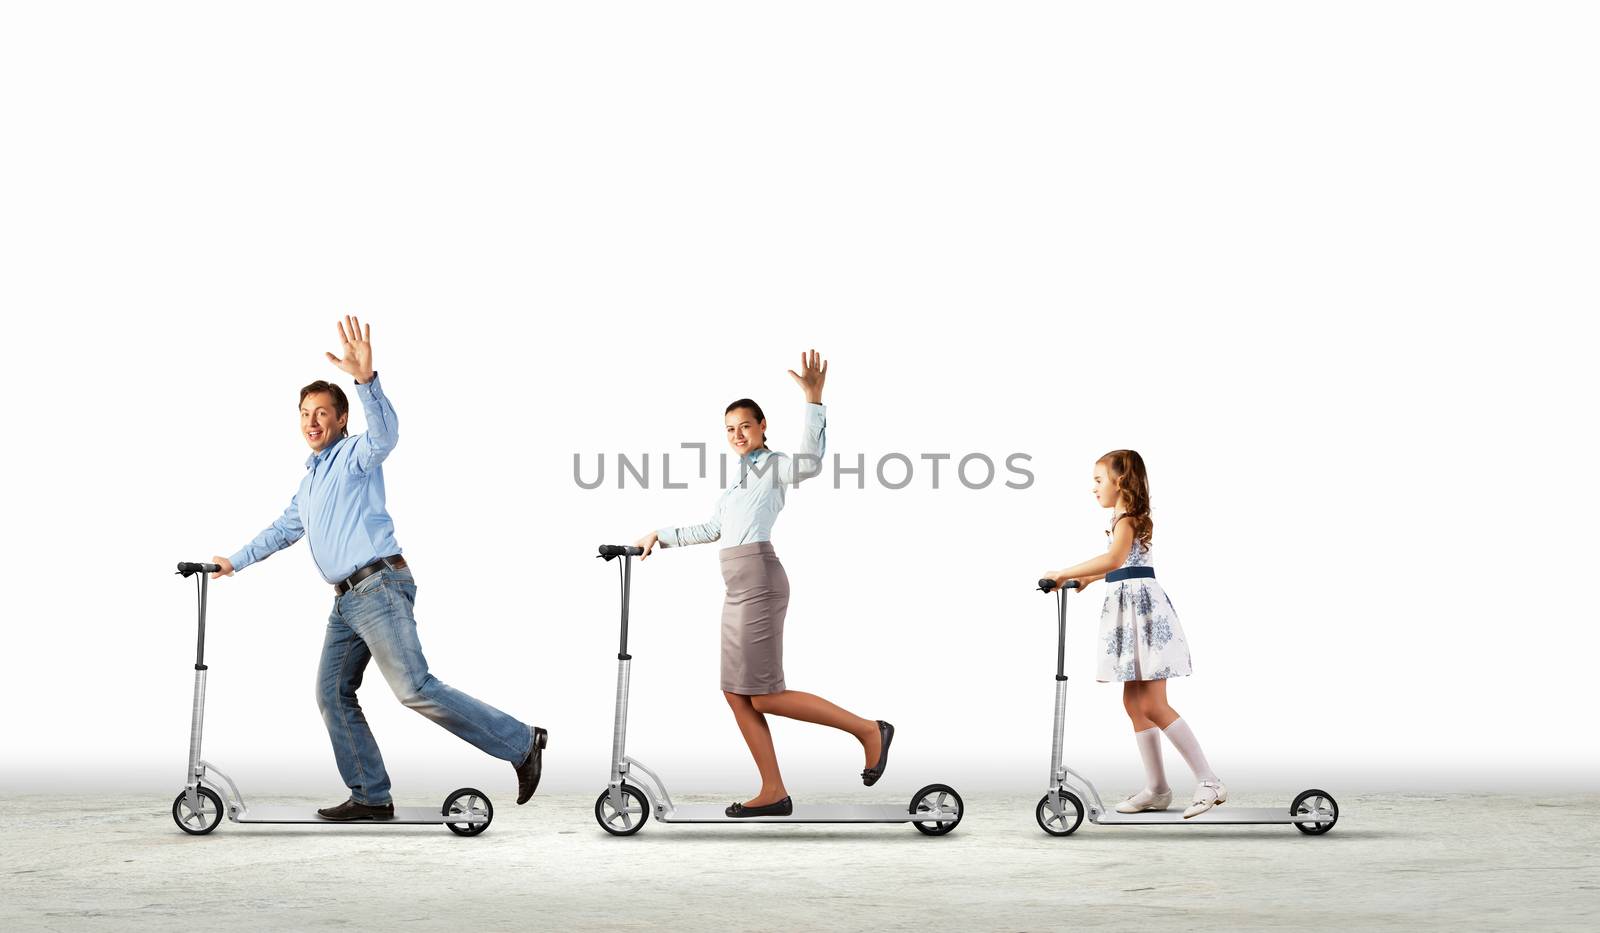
[(198, 810), (1061, 811), (623, 808)]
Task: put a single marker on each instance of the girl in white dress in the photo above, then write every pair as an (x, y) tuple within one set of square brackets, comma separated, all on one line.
[(1142, 645)]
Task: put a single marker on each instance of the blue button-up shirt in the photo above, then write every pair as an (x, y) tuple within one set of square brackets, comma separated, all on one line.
[(340, 500), (747, 510)]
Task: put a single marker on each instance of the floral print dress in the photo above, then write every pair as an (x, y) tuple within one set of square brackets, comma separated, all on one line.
[(1140, 638)]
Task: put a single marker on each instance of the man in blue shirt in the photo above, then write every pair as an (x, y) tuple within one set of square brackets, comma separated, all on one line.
[(340, 506)]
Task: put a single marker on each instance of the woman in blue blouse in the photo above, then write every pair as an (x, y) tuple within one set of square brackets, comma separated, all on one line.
[(758, 592)]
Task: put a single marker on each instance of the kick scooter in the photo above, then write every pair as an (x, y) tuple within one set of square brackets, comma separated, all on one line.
[(623, 808), (1061, 811), (198, 810)]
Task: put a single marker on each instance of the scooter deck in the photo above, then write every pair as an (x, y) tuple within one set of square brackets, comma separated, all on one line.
[(403, 816), (1223, 815), (803, 813)]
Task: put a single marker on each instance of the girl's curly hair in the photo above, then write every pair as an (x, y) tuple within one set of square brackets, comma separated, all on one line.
[(1126, 469)]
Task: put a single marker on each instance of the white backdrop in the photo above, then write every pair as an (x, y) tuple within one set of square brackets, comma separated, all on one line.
[(1331, 269)]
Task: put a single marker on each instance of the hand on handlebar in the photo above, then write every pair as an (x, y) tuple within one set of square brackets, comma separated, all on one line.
[(1055, 582), (225, 564), (648, 542)]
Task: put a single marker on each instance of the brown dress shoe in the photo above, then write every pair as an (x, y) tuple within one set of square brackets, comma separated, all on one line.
[(350, 810)]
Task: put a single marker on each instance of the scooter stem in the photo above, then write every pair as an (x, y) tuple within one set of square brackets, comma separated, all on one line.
[(198, 711), (200, 640), (1058, 743), (627, 581), (619, 734), (1061, 634), (196, 721), (1057, 775)]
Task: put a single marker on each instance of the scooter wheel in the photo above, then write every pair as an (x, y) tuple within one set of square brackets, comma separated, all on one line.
[(1319, 802), (468, 801), (941, 799), (626, 821), (1062, 822), (198, 822)]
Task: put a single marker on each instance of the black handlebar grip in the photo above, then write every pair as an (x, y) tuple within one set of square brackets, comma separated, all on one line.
[(186, 568), (609, 551), (1046, 586)]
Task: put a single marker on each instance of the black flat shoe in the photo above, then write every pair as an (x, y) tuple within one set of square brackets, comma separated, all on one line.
[(350, 810), (784, 807), (532, 767), (870, 776)]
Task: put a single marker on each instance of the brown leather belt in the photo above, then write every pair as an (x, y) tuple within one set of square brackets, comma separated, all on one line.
[(395, 562)]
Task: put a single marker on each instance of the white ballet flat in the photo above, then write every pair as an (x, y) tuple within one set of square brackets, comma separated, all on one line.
[(1209, 794), (1146, 799)]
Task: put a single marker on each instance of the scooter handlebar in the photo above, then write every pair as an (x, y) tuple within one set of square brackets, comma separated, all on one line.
[(186, 568), (609, 551), (1046, 586)]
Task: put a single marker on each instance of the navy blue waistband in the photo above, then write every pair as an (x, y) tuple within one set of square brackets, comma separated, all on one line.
[(1123, 573)]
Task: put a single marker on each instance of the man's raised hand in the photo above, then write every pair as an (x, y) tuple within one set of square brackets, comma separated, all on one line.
[(357, 359)]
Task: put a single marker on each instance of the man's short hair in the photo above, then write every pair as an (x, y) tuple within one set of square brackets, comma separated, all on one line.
[(341, 405)]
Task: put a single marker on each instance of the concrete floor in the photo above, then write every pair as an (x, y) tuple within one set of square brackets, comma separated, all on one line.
[(1393, 862)]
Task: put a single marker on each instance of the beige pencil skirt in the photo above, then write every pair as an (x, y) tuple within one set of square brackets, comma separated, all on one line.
[(752, 619)]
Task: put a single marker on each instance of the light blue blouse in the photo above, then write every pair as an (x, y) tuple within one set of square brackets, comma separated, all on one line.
[(747, 510)]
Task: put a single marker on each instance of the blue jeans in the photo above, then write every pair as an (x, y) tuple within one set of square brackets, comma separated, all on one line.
[(374, 621)]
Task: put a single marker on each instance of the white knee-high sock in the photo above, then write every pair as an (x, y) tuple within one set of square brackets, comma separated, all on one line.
[(1155, 777), (1182, 738)]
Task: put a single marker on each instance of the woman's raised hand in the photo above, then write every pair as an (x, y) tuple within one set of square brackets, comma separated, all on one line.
[(813, 372), (648, 542), (357, 359)]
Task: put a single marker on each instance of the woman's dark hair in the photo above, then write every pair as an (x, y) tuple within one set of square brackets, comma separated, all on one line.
[(341, 405), (746, 403), (1126, 468)]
